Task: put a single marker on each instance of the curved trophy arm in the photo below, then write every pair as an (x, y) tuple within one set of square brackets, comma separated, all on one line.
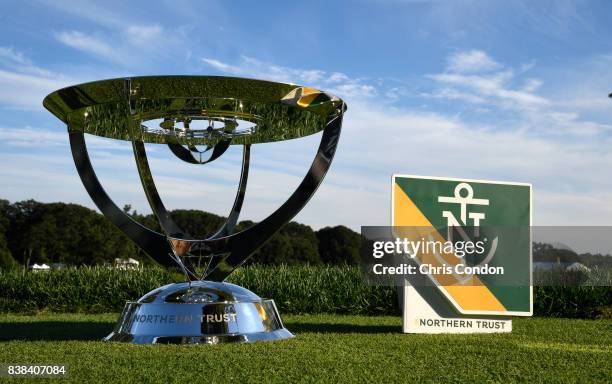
[(153, 243), (187, 154), (157, 206), (230, 224), (241, 245), (168, 225)]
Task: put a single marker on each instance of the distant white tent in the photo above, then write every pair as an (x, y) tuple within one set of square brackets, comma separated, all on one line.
[(575, 267), (126, 263), (562, 266), (40, 267)]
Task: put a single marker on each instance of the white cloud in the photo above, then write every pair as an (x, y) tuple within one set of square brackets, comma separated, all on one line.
[(87, 43), (493, 89), (474, 77), (142, 34), (258, 69), (504, 90), (89, 11), (31, 137), (27, 91), (223, 67), (23, 85), (471, 61), (338, 77), (531, 85), (8, 53), (335, 82), (125, 38), (454, 94), (16, 60)]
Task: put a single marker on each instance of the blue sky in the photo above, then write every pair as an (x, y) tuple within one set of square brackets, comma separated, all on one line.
[(512, 91)]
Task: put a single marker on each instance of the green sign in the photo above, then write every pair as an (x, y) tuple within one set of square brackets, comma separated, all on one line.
[(494, 278)]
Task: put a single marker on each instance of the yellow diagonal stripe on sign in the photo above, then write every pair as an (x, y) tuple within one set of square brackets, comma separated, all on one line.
[(472, 295)]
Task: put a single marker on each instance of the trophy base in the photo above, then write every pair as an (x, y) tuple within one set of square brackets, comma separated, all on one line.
[(201, 312)]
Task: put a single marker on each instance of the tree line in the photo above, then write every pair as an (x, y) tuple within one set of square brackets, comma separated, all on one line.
[(34, 232), (556, 254)]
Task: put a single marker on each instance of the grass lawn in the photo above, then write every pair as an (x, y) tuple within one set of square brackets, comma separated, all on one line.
[(328, 348)]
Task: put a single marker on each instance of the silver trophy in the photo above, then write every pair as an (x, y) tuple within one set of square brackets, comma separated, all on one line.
[(198, 118)]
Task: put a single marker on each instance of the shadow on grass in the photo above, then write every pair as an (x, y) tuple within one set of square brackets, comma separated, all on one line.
[(55, 330), (340, 328), (82, 330)]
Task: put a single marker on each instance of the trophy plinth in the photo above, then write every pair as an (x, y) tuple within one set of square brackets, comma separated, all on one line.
[(198, 118), (201, 312)]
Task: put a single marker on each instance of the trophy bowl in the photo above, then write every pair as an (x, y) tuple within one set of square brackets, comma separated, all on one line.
[(198, 118)]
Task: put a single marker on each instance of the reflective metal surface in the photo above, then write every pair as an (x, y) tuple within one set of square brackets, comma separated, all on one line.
[(202, 312), (183, 112), (118, 108)]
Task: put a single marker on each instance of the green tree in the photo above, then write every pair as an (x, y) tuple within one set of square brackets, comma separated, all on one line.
[(304, 243), (339, 245), (553, 253), (68, 233), (6, 258), (275, 251), (65, 233), (198, 224), (293, 244)]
